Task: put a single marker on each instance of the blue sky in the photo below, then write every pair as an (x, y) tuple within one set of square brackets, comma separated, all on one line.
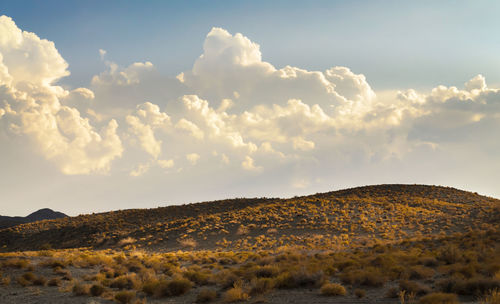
[(400, 44), (204, 100)]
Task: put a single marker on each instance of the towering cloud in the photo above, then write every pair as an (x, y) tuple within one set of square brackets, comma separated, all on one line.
[(234, 114), (29, 67)]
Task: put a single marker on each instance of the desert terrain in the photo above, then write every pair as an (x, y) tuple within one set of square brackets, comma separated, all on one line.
[(373, 244)]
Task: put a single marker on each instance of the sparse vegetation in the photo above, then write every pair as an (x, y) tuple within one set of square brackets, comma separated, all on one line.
[(439, 298), (333, 289), (235, 294), (448, 249), (206, 295), (125, 296)]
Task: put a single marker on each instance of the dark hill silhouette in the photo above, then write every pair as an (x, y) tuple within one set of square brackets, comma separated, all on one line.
[(40, 215), (344, 218)]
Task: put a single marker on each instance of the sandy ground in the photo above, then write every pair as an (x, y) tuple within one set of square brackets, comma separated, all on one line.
[(43, 295)]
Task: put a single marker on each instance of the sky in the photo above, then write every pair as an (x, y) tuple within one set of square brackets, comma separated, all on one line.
[(108, 105)]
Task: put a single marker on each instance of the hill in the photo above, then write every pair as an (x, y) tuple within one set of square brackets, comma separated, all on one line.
[(40, 215), (374, 244), (339, 219)]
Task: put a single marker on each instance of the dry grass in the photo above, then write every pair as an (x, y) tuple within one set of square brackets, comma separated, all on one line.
[(439, 298), (206, 295), (235, 294), (80, 289), (125, 296), (333, 289), (492, 297)]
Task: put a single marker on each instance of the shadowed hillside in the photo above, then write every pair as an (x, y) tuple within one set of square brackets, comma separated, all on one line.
[(40, 215), (334, 220)]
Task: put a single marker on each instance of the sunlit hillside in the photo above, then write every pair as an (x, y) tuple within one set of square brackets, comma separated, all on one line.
[(386, 243), (335, 220)]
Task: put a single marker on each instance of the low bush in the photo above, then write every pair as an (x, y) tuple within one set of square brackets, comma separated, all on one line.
[(129, 281), (366, 277), (299, 279), (198, 277), (151, 286), (267, 271), (261, 286), (392, 293), (492, 297), (40, 281), (97, 290), (473, 287), (333, 289), (439, 298), (54, 282), (81, 289), (413, 287), (360, 293), (125, 296), (29, 276), (4, 280), (16, 263), (174, 287), (234, 294), (419, 272), (23, 282), (206, 295), (478, 286)]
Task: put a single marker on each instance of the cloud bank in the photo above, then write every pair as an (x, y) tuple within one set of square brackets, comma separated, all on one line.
[(232, 112)]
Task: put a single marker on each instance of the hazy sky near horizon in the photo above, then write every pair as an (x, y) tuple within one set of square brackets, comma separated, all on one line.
[(110, 105)]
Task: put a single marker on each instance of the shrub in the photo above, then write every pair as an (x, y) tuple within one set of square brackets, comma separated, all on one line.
[(174, 287), (474, 286), (23, 282), (421, 272), (126, 241), (332, 289), (360, 293), (367, 277), (300, 278), (197, 277), (429, 261), (40, 281), (392, 293), (129, 281), (206, 295), (413, 287), (439, 298), (188, 243), (81, 289), (450, 255), (492, 297), (234, 294), (5, 281), (453, 284), (261, 286), (97, 290), (125, 296), (54, 263), (477, 286), (54, 282), (151, 286), (226, 279), (16, 263), (267, 271), (29, 276)]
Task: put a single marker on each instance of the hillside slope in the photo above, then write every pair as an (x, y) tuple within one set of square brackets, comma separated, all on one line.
[(351, 217), (40, 215)]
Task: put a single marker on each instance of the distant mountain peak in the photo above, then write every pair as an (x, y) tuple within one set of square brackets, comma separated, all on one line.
[(45, 214), (39, 215)]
